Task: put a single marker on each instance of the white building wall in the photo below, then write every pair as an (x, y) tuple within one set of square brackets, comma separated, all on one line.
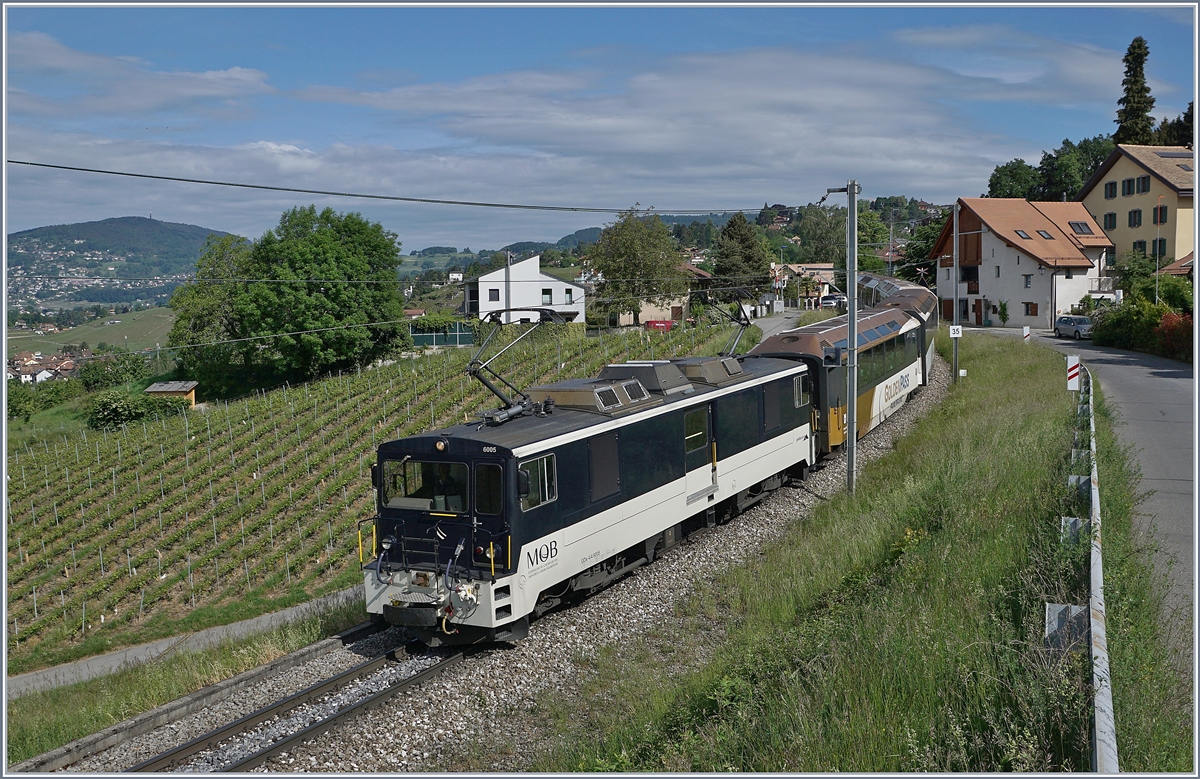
[(1053, 293), (525, 284)]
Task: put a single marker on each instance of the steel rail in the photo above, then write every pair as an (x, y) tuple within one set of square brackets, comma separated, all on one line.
[(173, 758), (318, 728)]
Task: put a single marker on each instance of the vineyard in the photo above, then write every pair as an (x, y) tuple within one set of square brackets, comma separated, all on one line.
[(242, 507)]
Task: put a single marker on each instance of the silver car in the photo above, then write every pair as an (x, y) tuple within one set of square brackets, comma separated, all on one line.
[(1078, 326)]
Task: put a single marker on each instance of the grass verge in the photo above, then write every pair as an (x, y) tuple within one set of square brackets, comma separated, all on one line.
[(41, 721), (896, 630)]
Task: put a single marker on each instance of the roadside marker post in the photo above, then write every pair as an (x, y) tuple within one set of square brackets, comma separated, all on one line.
[(1072, 372), (1025, 333)]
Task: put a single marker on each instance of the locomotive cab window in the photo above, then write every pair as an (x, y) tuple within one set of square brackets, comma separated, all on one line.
[(488, 488), (425, 486), (541, 481)]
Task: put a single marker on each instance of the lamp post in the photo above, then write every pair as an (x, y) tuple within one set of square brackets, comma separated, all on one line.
[(1157, 253), (852, 190)]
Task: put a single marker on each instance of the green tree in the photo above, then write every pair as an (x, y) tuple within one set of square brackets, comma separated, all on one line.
[(918, 265), (638, 263), (872, 236), (1015, 178), (206, 317), (329, 272), (766, 216), (741, 258), (822, 234), (23, 401), (321, 252), (1135, 125), (1175, 132), (1060, 173)]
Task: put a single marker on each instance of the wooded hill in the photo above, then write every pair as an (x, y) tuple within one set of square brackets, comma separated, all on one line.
[(146, 246)]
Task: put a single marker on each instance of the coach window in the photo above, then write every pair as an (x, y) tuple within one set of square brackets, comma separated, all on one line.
[(695, 430), (543, 485), (801, 390), (488, 481)]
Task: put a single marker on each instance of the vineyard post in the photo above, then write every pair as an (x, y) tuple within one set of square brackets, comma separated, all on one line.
[(114, 471), (247, 564), (214, 519), (242, 522), (74, 565), (83, 622), (35, 614), (56, 513), (271, 521), (287, 561), (142, 603), (101, 560), (217, 569), (62, 597)]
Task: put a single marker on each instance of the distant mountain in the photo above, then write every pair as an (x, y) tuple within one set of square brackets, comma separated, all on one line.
[(143, 246), (521, 247), (587, 235)]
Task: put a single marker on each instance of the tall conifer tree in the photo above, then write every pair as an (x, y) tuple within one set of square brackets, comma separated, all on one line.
[(1134, 123)]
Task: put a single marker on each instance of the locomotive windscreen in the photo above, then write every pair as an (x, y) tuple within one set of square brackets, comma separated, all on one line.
[(426, 486)]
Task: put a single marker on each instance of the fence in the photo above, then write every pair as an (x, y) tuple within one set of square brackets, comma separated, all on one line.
[(1064, 623)]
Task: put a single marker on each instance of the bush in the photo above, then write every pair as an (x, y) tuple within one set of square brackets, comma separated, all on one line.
[(112, 408), (1131, 326), (109, 371), (1174, 335), (1175, 291)]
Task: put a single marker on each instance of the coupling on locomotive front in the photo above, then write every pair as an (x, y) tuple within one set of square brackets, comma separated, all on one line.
[(482, 526)]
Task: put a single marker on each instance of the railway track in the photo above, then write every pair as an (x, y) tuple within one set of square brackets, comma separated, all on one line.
[(251, 740)]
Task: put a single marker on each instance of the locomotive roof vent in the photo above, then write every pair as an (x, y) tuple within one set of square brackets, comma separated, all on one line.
[(658, 376), (716, 371), (606, 396)]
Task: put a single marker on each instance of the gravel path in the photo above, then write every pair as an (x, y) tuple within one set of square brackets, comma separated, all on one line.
[(485, 702), (222, 712)]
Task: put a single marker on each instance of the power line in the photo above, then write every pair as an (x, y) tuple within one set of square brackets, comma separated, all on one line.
[(433, 201)]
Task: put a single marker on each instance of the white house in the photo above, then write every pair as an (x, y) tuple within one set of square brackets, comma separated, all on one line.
[(522, 285), (1039, 258)]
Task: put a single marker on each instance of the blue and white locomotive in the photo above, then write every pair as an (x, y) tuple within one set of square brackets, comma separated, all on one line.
[(481, 527)]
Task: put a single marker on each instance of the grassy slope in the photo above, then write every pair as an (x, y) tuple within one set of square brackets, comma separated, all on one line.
[(901, 629), (143, 328)]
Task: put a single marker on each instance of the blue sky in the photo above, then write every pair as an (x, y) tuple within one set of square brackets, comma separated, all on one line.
[(676, 108)]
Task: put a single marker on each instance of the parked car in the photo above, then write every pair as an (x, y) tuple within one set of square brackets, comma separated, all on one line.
[(833, 301), (1078, 326)]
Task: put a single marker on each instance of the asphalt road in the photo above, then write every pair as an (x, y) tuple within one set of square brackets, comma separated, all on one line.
[(1155, 400)]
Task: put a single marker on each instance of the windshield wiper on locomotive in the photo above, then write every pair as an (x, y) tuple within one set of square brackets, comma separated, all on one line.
[(476, 368)]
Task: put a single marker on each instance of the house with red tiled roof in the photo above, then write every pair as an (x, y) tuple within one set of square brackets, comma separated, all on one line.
[(1181, 267), (1040, 258), (1142, 198)]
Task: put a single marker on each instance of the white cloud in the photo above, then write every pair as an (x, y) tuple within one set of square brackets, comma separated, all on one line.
[(699, 131), (80, 84)]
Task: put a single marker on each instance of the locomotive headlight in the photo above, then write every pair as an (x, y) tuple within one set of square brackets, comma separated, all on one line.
[(441, 445), (387, 542)]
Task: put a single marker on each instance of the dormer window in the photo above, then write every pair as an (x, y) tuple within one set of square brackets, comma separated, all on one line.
[(1024, 235), (1045, 235)]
